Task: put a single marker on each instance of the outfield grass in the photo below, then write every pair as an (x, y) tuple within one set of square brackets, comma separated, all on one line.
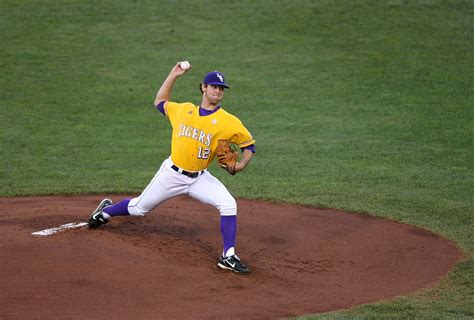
[(359, 105)]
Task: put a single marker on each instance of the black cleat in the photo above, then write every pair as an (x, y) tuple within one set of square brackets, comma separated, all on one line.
[(233, 263), (97, 219)]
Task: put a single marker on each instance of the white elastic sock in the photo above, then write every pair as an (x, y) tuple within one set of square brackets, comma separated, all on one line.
[(106, 216), (229, 252)]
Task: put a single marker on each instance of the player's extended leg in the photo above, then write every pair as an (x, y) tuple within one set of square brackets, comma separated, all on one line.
[(164, 185), (210, 190)]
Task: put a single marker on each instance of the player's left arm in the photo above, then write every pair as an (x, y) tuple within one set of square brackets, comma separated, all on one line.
[(247, 155), (243, 139)]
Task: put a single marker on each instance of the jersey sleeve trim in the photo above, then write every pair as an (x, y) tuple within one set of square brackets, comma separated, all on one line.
[(250, 148), (246, 144), (161, 107)]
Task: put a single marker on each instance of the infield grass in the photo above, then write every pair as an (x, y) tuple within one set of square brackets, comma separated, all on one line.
[(360, 105)]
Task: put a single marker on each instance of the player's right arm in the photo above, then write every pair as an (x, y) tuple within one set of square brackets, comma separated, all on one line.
[(164, 93)]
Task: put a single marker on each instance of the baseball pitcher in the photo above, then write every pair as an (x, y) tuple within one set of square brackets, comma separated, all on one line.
[(199, 134)]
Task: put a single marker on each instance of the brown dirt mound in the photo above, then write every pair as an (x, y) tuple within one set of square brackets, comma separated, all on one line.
[(304, 260)]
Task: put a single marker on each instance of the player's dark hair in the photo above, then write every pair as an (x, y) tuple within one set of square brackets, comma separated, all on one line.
[(200, 87)]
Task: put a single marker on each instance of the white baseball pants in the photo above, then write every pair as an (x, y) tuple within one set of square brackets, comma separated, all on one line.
[(168, 183)]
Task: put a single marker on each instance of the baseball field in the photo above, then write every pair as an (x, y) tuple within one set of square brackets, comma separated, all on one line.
[(361, 110)]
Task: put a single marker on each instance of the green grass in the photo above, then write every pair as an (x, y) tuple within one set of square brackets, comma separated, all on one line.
[(360, 105)]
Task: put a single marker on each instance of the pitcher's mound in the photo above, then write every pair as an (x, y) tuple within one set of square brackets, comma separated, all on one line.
[(303, 260)]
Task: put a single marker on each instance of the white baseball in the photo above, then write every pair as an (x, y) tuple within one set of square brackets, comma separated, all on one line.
[(185, 65)]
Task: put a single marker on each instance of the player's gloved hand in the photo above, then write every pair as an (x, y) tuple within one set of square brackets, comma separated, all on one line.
[(226, 156)]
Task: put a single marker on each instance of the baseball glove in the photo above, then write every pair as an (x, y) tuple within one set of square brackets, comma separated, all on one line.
[(226, 156)]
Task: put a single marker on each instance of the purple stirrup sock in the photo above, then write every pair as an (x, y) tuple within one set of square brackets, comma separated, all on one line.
[(228, 230), (118, 209)]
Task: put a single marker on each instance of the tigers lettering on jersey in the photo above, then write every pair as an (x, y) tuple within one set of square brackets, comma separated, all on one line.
[(195, 133)]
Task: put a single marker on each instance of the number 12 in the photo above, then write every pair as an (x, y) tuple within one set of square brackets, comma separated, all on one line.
[(203, 153)]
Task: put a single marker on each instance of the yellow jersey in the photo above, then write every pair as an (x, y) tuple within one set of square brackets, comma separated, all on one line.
[(194, 136)]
